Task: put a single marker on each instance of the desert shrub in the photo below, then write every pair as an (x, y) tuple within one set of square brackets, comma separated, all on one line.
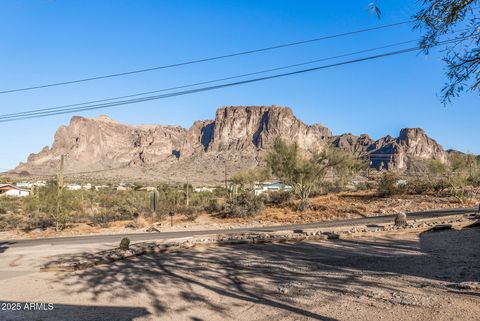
[(474, 180), (304, 174), (11, 204), (388, 184), (214, 206), (125, 244), (121, 205), (279, 197), (191, 213), (244, 205), (37, 220), (3, 225), (103, 219), (362, 186), (419, 186), (12, 220)]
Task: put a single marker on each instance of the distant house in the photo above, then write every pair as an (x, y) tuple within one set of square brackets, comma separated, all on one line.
[(275, 186), (87, 186), (40, 183), (147, 188), (73, 187), (12, 190), (24, 184), (204, 189)]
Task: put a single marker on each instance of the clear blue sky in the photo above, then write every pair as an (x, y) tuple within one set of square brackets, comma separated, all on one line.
[(50, 41)]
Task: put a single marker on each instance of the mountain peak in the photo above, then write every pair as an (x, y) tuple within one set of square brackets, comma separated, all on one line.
[(238, 138)]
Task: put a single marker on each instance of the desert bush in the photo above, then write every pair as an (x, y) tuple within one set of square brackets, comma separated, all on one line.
[(304, 174), (190, 213), (125, 244), (245, 204), (3, 225), (37, 220), (59, 205), (419, 185), (103, 219), (10, 204), (12, 220), (122, 205), (279, 197), (214, 206), (388, 184)]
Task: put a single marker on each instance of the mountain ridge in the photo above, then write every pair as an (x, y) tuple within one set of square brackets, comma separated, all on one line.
[(237, 139)]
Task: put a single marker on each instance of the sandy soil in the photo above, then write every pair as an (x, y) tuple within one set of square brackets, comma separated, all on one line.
[(342, 205), (402, 277), (357, 204)]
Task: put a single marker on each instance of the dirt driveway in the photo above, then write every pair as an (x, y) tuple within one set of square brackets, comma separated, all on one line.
[(407, 277)]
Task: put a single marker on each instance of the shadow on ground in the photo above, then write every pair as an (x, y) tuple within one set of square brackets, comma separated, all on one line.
[(279, 276), (4, 246), (21, 311)]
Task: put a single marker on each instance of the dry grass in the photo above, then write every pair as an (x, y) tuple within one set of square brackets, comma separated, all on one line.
[(356, 204)]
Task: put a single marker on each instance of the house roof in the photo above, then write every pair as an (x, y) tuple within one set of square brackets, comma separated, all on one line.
[(10, 186)]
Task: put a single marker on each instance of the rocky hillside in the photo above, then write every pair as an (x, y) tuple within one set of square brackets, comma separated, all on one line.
[(236, 139)]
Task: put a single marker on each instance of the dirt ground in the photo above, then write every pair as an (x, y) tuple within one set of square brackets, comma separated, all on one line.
[(402, 277), (334, 206), (357, 204)]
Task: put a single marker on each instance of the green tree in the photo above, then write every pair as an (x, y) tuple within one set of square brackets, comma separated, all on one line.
[(57, 203), (462, 57), (303, 173), (440, 18)]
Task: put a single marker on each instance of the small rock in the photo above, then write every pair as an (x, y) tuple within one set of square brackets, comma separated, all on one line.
[(283, 290)]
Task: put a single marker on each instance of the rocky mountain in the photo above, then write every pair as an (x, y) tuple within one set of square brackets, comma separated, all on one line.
[(238, 138)]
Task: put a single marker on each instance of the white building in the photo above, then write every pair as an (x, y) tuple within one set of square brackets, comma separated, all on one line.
[(275, 186), (87, 186), (204, 189), (73, 187), (24, 184), (12, 190)]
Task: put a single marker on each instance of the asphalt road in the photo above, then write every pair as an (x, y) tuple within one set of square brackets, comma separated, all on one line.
[(111, 238)]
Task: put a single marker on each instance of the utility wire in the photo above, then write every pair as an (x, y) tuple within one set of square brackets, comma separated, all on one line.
[(13, 115), (186, 92), (191, 62)]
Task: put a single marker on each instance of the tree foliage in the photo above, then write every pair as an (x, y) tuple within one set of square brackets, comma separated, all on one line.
[(457, 20), (58, 204), (462, 57), (304, 173)]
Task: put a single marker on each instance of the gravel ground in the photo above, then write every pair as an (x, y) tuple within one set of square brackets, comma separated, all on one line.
[(403, 277)]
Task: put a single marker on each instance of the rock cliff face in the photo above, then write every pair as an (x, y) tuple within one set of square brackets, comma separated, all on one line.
[(236, 139), (388, 152)]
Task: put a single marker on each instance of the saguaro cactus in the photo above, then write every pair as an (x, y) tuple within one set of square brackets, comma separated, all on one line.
[(154, 200)]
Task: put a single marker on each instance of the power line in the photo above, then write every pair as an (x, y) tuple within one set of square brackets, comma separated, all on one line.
[(35, 114), (191, 62), (14, 115)]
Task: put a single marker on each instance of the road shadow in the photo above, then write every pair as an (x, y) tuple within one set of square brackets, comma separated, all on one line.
[(22, 311), (5, 245), (276, 275)]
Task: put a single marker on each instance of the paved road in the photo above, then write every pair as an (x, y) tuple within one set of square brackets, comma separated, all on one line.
[(90, 239)]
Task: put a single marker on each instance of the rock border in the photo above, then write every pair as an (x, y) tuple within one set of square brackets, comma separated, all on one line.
[(87, 260)]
